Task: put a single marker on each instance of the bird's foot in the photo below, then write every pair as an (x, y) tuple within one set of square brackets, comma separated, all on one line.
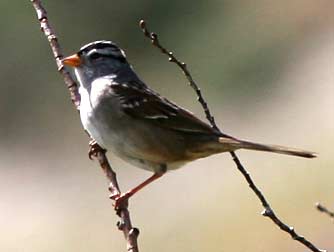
[(121, 200), (94, 149)]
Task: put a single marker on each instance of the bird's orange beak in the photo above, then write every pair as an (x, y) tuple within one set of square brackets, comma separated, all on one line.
[(73, 60)]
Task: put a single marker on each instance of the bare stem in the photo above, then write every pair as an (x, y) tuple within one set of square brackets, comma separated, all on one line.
[(155, 41), (124, 224), (323, 209), (268, 211)]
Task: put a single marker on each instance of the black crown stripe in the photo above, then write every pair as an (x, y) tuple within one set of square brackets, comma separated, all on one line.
[(98, 45)]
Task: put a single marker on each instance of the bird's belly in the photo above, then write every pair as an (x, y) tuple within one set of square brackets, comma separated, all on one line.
[(139, 143)]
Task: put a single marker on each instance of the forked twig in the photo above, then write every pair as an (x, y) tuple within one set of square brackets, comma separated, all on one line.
[(124, 224), (323, 209), (268, 211)]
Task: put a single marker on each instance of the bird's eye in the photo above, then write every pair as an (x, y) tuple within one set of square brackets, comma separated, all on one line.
[(95, 55)]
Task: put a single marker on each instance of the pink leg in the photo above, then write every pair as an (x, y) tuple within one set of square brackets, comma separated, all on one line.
[(121, 199)]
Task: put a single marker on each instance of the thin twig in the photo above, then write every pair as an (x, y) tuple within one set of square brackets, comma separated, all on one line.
[(268, 211), (48, 31), (323, 209), (155, 41), (130, 233)]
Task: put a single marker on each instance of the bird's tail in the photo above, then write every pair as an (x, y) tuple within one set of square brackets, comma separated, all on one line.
[(241, 144)]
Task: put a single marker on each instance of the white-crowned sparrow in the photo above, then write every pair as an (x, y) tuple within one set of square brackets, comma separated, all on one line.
[(135, 123)]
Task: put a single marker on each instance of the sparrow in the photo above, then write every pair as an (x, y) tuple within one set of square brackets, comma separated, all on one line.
[(140, 126)]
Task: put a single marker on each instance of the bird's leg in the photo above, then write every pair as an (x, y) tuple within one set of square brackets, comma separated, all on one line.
[(123, 198)]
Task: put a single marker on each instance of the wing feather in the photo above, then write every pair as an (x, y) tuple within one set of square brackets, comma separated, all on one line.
[(145, 104)]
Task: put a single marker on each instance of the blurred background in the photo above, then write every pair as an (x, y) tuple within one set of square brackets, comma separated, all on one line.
[(266, 68)]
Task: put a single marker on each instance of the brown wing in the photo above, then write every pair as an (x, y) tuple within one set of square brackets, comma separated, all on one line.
[(147, 105)]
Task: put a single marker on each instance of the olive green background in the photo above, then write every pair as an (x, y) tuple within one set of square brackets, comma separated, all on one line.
[(266, 69)]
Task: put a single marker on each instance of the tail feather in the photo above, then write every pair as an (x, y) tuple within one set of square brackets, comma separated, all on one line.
[(240, 144)]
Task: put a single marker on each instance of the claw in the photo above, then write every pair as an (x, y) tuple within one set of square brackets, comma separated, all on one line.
[(114, 196), (94, 149), (121, 200)]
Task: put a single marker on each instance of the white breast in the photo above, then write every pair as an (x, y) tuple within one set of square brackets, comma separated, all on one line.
[(87, 116)]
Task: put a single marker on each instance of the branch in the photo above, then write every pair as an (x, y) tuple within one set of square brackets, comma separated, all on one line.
[(323, 209), (124, 224), (268, 211), (155, 41)]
